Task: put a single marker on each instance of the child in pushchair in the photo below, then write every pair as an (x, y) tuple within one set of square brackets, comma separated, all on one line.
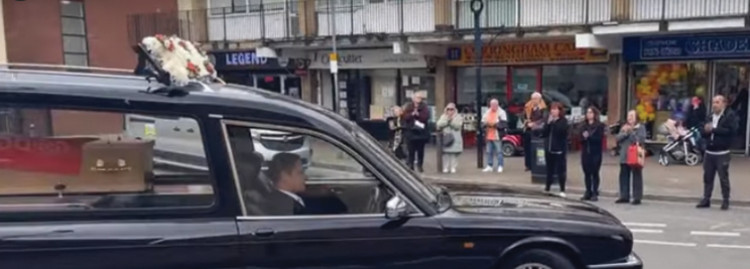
[(682, 145)]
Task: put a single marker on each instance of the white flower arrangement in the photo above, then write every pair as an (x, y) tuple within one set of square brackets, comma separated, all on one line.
[(180, 58)]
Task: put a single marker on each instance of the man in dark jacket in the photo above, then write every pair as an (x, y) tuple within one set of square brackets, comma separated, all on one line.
[(719, 131), (415, 119)]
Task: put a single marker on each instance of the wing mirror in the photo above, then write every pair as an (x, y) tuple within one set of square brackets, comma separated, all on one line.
[(396, 208)]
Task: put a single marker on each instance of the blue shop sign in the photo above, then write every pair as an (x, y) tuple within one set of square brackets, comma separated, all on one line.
[(718, 46), (241, 59)]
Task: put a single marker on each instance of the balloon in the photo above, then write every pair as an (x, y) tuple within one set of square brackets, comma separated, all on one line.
[(644, 80), (674, 76), (700, 91), (662, 80)]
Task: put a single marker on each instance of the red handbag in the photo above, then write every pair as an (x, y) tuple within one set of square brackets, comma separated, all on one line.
[(636, 157)]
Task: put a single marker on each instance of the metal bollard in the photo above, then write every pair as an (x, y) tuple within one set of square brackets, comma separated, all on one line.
[(439, 145)]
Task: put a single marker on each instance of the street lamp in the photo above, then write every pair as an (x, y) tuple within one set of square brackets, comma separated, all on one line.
[(476, 7)]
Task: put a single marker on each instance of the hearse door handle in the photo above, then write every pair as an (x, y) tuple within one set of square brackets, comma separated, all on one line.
[(264, 232), (190, 130), (176, 129)]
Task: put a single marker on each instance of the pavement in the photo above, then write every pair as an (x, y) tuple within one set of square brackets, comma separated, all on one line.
[(676, 182), (674, 235)]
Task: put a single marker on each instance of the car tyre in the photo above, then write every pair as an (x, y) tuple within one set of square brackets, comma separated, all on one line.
[(508, 149), (538, 259)]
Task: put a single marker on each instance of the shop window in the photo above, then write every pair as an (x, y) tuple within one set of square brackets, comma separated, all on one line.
[(56, 160), (75, 49), (659, 91), (494, 85), (576, 86)]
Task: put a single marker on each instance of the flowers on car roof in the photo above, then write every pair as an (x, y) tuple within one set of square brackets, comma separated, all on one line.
[(182, 59)]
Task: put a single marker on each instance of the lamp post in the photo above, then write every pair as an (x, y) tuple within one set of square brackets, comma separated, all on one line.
[(476, 7)]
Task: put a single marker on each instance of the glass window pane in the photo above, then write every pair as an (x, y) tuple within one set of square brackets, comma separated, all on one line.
[(219, 7), (576, 86), (123, 162), (74, 44), (71, 8), (239, 6), (76, 59), (73, 26), (286, 173), (494, 85), (659, 91)]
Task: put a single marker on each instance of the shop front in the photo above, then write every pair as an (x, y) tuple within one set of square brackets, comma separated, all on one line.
[(371, 82), (511, 71), (247, 68), (666, 72)]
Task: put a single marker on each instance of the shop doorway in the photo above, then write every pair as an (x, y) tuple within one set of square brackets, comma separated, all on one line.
[(732, 79)]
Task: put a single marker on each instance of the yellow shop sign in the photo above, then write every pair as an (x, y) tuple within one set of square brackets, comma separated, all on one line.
[(526, 52)]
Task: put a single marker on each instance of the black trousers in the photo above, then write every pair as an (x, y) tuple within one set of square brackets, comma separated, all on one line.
[(556, 168), (626, 173), (416, 152), (591, 164), (527, 154), (713, 164)]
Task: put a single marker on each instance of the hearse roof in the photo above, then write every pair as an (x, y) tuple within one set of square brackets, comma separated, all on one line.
[(228, 100)]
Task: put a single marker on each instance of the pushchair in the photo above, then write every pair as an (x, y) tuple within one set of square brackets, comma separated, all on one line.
[(684, 149)]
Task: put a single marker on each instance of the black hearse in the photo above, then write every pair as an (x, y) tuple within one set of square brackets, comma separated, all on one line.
[(81, 188)]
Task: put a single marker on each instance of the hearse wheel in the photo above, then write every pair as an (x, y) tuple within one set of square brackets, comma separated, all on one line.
[(538, 259)]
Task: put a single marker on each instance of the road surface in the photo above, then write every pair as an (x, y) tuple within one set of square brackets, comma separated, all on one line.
[(677, 235)]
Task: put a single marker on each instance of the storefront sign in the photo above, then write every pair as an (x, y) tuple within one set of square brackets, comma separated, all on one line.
[(526, 52), (687, 47), (249, 60), (368, 59)]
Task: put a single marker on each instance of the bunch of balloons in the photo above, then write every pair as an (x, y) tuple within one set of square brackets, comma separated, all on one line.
[(647, 90)]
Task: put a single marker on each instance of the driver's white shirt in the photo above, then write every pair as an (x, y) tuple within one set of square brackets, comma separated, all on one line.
[(293, 196)]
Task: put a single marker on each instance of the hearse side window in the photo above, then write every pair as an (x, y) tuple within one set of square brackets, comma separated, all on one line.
[(75, 160), (283, 173)]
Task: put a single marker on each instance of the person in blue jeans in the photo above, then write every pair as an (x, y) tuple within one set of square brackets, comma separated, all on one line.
[(495, 122)]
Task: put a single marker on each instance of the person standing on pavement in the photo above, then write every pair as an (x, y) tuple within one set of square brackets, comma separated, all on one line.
[(631, 133), (719, 131), (450, 124), (415, 122), (555, 133), (395, 133), (534, 119), (495, 123), (591, 153)]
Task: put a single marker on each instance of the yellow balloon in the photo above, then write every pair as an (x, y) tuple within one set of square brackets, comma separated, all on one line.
[(675, 75), (644, 81), (662, 80), (700, 91)]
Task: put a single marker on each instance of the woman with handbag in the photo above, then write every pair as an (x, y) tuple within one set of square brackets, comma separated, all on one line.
[(395, 133), (632, 135), (449, 125)]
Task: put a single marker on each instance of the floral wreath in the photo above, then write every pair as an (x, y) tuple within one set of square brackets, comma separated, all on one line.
[(182, 60)]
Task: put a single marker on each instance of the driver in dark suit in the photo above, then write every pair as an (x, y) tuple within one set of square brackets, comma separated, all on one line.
[(286, 174)]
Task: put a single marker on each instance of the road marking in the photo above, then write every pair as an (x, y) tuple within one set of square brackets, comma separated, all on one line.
[(663, 243), (646, 231), (643, 224), (705, 233), (727, 246), (720, 225)]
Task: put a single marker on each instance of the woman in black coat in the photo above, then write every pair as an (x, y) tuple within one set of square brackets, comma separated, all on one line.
[(592, 134), (555, 134)]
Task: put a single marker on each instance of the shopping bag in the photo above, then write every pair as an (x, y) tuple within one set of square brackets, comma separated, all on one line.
[(636, 156)]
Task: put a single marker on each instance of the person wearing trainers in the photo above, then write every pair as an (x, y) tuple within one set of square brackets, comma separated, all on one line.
[(450, 124), (719, 131), (631, 133), (495, 122), (555, 134)]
